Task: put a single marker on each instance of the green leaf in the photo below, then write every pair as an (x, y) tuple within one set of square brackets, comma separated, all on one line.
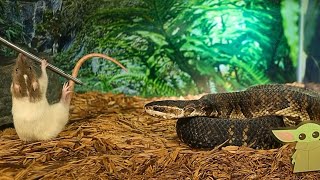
[(290, 14)]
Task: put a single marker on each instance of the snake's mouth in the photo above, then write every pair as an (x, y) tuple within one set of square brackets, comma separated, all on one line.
[(164, 109)]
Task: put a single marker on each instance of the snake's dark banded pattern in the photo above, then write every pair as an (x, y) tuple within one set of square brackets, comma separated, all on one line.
[(255, 108), (206, 132)]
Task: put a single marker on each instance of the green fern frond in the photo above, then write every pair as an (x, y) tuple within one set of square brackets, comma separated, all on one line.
[(290, 14), (150, 87), (256, 76), (120, 13)]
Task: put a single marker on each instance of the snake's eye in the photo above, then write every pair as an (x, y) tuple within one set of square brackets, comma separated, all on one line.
[(315, 134), (302, 136)]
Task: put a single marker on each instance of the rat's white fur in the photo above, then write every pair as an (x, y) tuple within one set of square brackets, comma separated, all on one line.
[(39, 120)]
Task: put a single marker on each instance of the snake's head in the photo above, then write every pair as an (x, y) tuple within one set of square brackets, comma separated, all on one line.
[(170, 109), (164, 109)]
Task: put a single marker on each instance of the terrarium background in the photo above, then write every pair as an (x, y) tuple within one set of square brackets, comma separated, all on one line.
[(171, 47)]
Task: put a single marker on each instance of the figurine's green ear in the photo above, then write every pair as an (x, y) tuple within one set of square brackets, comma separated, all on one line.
[(285, 135)]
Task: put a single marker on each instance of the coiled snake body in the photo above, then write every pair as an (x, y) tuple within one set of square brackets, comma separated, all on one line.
[(239, 118)]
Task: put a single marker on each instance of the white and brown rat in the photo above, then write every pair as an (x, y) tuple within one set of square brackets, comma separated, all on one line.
[(33, 117)]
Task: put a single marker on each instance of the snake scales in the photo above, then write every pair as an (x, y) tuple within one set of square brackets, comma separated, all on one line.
[(239, 118)]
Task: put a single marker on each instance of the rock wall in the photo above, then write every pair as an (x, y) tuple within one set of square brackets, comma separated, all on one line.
[(5, 96), (31, 14)]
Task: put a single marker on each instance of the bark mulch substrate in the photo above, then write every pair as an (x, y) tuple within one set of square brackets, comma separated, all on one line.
[(110, 137)]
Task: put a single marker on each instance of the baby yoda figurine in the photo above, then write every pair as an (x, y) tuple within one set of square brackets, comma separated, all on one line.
[(307, 154)]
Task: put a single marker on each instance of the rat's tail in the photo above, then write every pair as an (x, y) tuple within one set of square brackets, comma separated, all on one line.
[(85, 58)]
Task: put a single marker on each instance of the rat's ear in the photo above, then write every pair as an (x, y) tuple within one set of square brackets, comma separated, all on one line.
[(21, 56), (284, 135)]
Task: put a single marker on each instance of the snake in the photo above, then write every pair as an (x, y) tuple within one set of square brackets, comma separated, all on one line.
[(241, 118)]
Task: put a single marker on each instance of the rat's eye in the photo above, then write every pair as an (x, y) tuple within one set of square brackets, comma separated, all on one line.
[(17, 69), (30, 68), (302, 136), (315, 134)]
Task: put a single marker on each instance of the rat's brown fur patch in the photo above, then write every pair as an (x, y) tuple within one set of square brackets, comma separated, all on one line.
[(22, 67)]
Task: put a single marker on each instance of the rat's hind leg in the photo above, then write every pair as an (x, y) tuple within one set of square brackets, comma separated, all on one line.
[(66, 94)]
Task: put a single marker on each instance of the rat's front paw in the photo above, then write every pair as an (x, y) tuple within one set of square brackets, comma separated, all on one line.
[(35, 85), (44, 64), (66, 93)]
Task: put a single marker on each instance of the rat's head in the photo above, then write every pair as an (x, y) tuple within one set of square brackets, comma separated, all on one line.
[(24, 79), (305, 132)]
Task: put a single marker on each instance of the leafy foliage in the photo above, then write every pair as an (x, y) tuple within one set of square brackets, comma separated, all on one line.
[(177, 47), (9, 28), (62, 25), (171, 47), (311, 16), (290, 12)]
